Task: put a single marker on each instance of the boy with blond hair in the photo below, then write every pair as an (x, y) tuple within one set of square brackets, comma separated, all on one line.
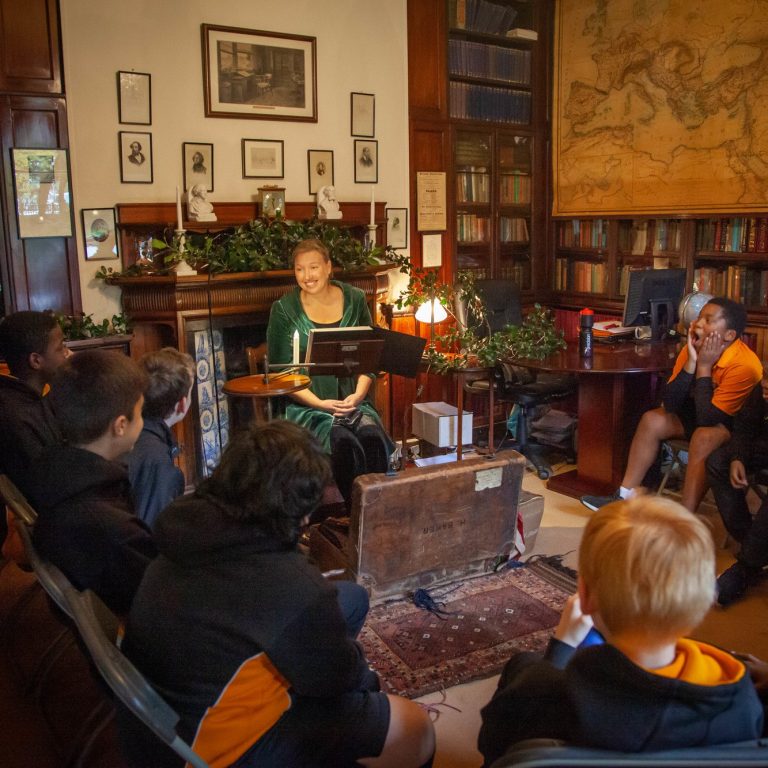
[(646, 579)]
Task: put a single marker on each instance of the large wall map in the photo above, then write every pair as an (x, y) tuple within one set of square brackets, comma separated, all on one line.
[(661, 106)]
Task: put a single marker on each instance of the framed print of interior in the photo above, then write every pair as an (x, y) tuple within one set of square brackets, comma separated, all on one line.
[(263, 75), (320, 166), (197, 162), (134, 98), (135, 157), (366, 161), (41, 186), (99, 234), (363, 114), (397, 227), (263, 159)]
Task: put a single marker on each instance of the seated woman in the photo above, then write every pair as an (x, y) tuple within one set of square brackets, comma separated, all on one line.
[(245, 639), (328, 406)]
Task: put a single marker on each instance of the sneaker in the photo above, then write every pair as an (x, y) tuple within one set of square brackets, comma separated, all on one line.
[(732, 583), (595, 502)]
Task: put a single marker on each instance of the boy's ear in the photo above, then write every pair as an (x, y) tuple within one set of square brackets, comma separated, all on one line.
[(35, 361), (586, 598), (730, 335), (119, 425)]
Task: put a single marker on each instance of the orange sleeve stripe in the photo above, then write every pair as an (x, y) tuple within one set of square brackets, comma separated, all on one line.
[(249, 705)]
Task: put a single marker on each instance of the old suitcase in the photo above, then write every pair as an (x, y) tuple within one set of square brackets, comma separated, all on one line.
[(425, 526)]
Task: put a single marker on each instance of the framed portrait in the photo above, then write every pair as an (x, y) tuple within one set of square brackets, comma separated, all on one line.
[(197, 162), (320, 166), (99, 234), (134, 98), (263, 159), (363, 114), (397, 227), (135, 157), (41, 187), (366, 161), (263, 75)]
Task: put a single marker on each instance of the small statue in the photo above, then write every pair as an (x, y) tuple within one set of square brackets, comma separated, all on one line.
[(197, 204), (327, 204)]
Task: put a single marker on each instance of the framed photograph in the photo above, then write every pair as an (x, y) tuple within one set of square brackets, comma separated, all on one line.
[(264, 75), (263, 159), (41, 186), (363, 111), (135, 157), (366, 161), (99, 234), (320, 165), (134, 98), (397, 227), (197, 162)]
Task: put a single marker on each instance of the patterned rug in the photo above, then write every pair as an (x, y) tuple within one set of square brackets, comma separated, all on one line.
[(486, 619)]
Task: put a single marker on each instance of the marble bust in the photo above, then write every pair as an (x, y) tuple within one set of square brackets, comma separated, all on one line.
[(327, 204), (197, 204)]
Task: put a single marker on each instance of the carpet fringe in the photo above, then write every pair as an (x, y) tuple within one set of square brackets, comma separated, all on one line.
[(552, 570)]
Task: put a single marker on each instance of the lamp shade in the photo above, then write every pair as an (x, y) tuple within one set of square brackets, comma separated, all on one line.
[(424, 312)]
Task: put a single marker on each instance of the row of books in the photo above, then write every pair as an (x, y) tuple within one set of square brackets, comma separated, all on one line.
[(470, 59), (484, 102), (513, 230), (749, 286), (583, 233), (481, 16), (738, 235), (580, 276), (471, 228), (515, 188), (473, 185), (519, 271), (660, 234)]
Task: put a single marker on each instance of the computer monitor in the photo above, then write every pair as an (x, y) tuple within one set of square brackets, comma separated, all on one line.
[(653, 296)]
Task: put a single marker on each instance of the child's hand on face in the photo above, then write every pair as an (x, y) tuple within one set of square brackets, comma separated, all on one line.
[(574, 624), (710, 349)]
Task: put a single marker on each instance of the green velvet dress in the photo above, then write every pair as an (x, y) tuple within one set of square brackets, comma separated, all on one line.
[(287, 315)]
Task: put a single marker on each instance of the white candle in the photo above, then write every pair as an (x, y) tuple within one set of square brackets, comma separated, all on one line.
[(373, 210), (179, 223), (296, 347)]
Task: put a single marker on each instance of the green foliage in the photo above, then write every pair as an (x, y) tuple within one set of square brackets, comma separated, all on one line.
[(82, 326)]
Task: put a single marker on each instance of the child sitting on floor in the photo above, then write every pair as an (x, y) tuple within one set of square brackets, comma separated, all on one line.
[(646, 579)]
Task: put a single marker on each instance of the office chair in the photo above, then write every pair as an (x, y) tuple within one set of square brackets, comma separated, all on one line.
[(513, 383), (126, 682)]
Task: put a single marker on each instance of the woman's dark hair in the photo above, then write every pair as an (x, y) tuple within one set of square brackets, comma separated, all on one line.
[(272, 475)]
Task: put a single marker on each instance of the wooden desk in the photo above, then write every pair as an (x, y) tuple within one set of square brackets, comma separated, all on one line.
[(277, 384), (616, 386)]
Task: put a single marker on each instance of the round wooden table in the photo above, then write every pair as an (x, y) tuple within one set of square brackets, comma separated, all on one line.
[(260, 386)]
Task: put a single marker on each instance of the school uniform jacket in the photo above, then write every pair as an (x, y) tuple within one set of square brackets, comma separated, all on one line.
[(228, 625)]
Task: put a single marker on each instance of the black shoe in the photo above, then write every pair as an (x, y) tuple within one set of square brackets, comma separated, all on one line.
[(732, 583), (595, 502)]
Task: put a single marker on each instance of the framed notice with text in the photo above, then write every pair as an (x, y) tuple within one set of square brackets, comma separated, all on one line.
[(431, 201)]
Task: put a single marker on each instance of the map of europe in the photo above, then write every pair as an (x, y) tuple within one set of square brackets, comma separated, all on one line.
[(661, 106)]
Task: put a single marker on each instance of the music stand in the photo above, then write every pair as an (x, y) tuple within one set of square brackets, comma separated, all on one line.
[(344, 351)]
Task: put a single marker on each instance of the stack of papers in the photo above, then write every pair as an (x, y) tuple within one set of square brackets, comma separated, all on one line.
[(612, 329)]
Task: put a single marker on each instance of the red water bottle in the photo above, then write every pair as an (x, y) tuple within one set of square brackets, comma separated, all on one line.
[(586, 319)]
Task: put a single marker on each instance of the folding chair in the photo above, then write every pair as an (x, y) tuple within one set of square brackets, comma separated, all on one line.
[(127, 683), (676, 447)]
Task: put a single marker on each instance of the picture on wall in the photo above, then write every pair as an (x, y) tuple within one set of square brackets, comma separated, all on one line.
[(134, 98), (363, 114), (320, 165), (41, 186), (99, 234), (263, 75), (397, 227), (263, 159), (135, 157), (197, 162), (366, 161)]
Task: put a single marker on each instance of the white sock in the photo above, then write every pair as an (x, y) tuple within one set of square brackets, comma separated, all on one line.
[(626, 493)]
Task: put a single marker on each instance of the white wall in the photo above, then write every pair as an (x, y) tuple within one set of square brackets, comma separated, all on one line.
[(361, 46)]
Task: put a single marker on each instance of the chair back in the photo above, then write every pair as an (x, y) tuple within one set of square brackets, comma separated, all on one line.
[(16, 502), (503, 307), (256, 357), (127, 683)]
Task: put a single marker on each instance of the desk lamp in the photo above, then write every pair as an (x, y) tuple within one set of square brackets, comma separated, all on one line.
[(431, 311)]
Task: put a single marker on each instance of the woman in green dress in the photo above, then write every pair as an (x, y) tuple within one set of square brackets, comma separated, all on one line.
[(336, 409)]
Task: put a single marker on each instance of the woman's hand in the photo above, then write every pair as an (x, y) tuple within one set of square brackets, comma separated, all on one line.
[(574, 625), (336, 407)]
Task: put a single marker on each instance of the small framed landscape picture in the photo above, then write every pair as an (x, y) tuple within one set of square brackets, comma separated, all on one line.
[(320, 163), (366, 161), (99, 234), (135, 157), (197, 162), (397, 227), (363, 111), (263, 159), (134, 98)]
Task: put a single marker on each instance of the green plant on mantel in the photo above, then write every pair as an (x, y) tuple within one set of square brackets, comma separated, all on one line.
[(261, 245), (82, 326), (461, 347)]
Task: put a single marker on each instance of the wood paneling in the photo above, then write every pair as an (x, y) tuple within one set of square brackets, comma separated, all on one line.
[(427, 81)]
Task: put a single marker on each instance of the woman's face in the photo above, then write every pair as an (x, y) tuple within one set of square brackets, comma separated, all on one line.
[(312, 271)]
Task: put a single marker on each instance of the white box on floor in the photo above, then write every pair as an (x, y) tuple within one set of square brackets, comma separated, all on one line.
[(437, 423)]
